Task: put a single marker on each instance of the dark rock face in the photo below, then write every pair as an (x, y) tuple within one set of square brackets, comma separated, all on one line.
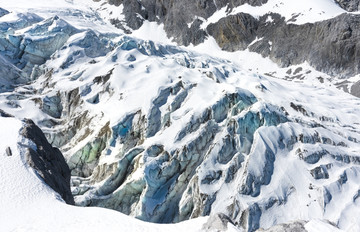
[(8, 151), (3, 12), (349, 5), (329, 46), (297, 226), (48, 162), (355, 89), (181, 19), (5, 115), (235, 32)]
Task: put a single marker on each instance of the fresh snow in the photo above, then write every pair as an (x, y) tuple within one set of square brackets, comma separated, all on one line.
[(296, 12), (27, 204), (152, 31)]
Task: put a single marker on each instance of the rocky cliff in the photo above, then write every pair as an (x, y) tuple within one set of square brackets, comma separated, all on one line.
[(33, 151), (330, 46), (349, 5), (47, 161)]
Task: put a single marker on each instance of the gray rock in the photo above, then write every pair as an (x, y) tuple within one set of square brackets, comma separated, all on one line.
[(349, 5), (329, 46), (176, 15), (48, 162), (5, 115), (3, 12), (355, 89), (234, 32), (217, 222), (8, 151), (297, 226)]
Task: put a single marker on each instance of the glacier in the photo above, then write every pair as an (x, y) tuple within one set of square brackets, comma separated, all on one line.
[(166, 133)]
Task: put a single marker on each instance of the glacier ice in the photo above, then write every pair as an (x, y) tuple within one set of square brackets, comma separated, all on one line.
[(164, 134)]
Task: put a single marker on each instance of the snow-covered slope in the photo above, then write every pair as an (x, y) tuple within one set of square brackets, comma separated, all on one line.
[(320, 33), (165, 133), (306, 11), (29, 204)]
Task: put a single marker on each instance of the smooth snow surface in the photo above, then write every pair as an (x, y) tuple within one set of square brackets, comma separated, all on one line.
[(296, 12)]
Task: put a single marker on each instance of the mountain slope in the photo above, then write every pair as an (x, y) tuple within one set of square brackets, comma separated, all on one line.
[(166, 134), (320, 33)]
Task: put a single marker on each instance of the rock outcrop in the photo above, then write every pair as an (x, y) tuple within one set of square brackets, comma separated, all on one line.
[(181, 19), (329, 46), (47, 161), (349, 5), (3, 12)]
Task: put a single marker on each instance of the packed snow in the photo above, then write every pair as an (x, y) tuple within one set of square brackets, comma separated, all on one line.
[(140, 72), (28, 204), (296, 12)]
